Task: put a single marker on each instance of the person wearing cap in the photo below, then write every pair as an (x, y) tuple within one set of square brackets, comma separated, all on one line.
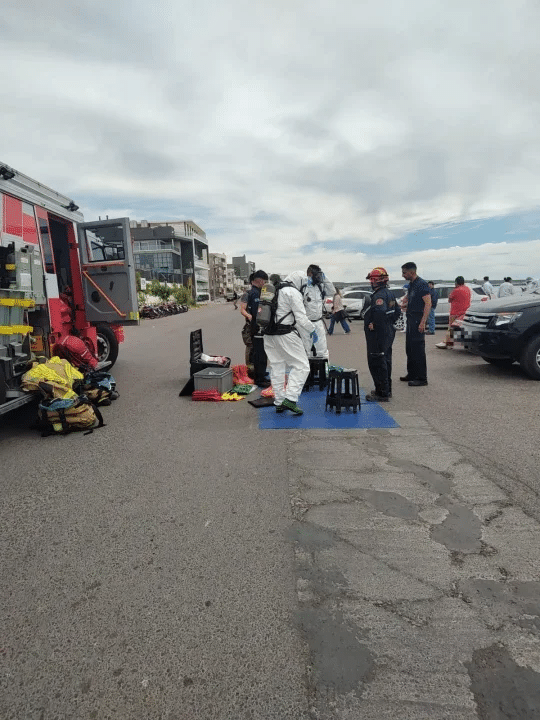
[(249, 309), (246, 330), (531, 284), (418, 304), (379, 318)]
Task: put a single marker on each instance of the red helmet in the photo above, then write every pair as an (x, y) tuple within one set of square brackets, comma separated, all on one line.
[(378, 274)]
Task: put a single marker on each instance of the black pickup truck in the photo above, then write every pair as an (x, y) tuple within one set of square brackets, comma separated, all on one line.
[(505, 331)]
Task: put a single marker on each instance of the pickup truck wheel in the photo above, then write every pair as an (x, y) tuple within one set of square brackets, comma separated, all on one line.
[(499, 362), (530, 358), (107, 344)]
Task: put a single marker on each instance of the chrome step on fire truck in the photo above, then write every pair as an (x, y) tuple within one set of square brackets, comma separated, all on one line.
[(59, 276)]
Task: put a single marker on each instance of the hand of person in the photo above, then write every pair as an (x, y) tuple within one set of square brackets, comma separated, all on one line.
[(422, 326), (370, 326)]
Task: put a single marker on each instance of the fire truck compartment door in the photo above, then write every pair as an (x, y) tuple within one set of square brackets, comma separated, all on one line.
[(108, 272)]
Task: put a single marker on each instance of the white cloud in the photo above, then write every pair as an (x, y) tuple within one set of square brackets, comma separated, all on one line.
[(288, 123)]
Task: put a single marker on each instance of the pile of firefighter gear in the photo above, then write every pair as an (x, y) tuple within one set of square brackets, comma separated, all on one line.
[(69, 396)]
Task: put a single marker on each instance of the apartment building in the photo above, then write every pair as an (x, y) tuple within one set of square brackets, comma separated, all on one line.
[(218, 275), (173, 251), (242, 267)]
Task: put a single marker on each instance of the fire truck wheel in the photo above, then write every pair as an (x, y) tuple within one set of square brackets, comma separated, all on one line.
[(107, 344)]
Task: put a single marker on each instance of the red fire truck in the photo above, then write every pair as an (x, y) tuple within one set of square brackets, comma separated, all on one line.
[(59, 276)]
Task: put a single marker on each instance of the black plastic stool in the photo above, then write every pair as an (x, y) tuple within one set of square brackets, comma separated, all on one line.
[(317, 373), (343, 390)]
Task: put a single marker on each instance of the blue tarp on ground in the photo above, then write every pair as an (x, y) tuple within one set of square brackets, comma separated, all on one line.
[(315, 417)]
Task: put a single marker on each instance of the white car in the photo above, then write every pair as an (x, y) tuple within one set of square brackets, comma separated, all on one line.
[(442, 311), (354, 301)]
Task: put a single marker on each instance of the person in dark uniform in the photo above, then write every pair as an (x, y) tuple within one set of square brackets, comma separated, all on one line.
[(258, 355), (418, 304), (246, 330), (379, 319)]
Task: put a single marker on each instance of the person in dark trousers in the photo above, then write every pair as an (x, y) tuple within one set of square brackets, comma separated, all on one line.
[(418, 304), (379, 319), (246, 330), (338, 314), (434, 300), (235, 300), (258, 355)]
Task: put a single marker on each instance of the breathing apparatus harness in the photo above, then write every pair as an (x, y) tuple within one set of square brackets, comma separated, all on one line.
[(267, 315)]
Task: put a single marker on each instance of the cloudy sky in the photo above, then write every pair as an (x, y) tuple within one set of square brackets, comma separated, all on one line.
[(351, 134)]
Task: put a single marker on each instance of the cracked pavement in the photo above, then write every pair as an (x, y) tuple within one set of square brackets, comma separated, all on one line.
[(417, 579)]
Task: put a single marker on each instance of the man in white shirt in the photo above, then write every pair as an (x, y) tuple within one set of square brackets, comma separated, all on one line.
[(488, 288), (506, 288), (532, 284)]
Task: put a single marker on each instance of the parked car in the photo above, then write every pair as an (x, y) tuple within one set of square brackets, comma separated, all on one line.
[(442, 311), (399, 292), (505, 331), (354, 302)]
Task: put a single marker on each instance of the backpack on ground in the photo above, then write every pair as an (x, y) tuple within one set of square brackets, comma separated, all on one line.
[(59, 416), (98, 386), (267, 318)]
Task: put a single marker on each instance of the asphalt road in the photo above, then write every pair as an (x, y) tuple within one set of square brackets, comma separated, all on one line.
[(489, 414), (147, 569)]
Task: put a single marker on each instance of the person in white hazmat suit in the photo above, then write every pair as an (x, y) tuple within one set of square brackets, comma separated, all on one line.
[(314, 288), (285, 350), (531, 284)]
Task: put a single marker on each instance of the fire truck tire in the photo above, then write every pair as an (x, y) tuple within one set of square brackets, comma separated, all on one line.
[(107, 344)]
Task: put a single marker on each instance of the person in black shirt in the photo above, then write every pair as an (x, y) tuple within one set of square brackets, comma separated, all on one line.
[(418, 304), (246, 330), (249, 310), (379, 319)]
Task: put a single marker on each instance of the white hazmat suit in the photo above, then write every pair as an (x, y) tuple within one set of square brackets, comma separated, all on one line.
[(286, 353), (313, 296)]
